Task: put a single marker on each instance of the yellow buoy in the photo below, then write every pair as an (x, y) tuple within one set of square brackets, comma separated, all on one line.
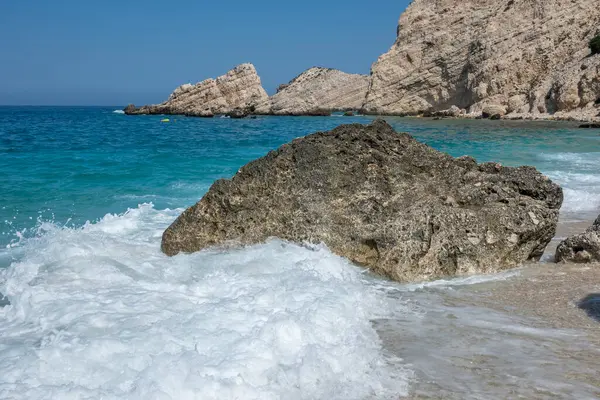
[(165, 120)]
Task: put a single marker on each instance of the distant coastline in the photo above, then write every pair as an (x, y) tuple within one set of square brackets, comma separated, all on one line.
[(541, 67)]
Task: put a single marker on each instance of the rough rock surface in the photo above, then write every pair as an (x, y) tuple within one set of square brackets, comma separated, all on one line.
[(582, 248), (317, 90), (240, 88), (530, 57), (381, 199)]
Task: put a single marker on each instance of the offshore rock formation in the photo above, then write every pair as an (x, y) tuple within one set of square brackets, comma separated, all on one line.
[(239, 89), (582, 248), (317, 91), (528, 58), (381, 199)]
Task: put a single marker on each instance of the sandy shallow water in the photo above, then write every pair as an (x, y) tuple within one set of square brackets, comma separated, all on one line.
[(526, 335)]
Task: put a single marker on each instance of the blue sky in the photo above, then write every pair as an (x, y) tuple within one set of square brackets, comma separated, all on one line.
[(118, 52)]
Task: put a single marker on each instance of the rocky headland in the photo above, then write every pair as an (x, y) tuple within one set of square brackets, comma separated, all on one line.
[(518, 58), (384, 201), (512, 59)]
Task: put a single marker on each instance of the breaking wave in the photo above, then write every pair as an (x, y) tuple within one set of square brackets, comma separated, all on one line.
[(100, 312)]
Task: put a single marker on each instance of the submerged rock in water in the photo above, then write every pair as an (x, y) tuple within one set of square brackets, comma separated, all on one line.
[(384, 201), (582, 248)]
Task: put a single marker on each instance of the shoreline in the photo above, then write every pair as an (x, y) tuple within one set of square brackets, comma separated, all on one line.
[(523, 335), (549, 295), (335, 113), (547, 291), (513, 334), (551, 292)]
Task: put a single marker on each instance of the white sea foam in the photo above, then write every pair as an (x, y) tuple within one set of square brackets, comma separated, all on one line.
[(461, 281), (581, 159), (587, 203), (581, 191), (100, 312), (119, 112), (579, 175), (576, 178)]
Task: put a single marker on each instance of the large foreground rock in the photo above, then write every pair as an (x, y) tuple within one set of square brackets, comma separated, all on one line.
[(528, 57), (383, 200), (238, 89), (317, 90), (582, 248)]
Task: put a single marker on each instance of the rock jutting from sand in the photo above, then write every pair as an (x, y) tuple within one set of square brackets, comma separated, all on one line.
[(239, 89), (317, 90), (582, 248), (526, 58), (384, 201)]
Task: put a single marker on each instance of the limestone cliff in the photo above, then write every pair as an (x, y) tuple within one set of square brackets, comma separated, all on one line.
[(240, 88), (318, 90), (527, 57)]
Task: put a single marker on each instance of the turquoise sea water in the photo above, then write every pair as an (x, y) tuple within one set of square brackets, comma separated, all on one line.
[(97, 311), (69, 165)]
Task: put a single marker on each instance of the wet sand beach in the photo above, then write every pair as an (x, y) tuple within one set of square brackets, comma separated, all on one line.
[(532, 333)]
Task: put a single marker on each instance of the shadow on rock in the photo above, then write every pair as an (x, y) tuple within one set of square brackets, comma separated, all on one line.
[(591, 305)]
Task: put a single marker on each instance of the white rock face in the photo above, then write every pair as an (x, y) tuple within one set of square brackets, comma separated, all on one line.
[(530, 57), (239, 88), (316, 91)]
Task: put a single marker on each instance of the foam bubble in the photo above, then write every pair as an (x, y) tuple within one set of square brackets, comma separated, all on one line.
[(118, 112), (100, 312)]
